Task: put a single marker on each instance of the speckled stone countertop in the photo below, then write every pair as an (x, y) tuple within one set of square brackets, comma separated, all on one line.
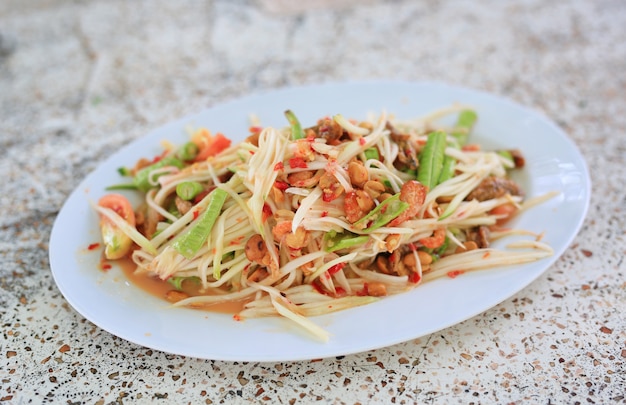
[(80, 79)]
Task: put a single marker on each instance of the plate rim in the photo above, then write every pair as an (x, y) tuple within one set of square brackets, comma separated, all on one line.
[(53, 240)]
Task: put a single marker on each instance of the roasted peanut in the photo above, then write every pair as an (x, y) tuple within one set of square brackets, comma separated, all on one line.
[(382, 264), (425, 258), (357, 173), (278, 195), (392, 242), (409, 260), (253, 138), (374, 188), (296, 179), (376, 289), (175, 295), (366, 125), (330, 187), (467, 246), (383, 197)]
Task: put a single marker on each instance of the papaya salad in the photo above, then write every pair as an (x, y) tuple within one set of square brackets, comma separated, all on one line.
[(302, 221)]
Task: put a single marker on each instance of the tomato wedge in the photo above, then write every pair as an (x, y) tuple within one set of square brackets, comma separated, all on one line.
[(117, 243), (211, 146)]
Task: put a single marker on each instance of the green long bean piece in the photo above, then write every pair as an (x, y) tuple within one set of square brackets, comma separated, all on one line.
[(337, 241), (188, 190), (141, 179), (431, 159), (466, 120), (296, 128), (447, 170), (192, 240), (385, 212)]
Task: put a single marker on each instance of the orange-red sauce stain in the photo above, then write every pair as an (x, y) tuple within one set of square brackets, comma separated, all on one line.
[(486, 255), (159, 288), (237, 240), (455, 273), (93, 246)]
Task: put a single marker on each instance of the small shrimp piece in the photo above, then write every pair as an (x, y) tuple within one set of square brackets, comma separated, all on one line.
[(297, 240), (435, 241), (413, 193), (298, 179), (280, 230), (357, 204), (256, 250)]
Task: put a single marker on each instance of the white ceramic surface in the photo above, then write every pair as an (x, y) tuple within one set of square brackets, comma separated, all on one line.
[(111, 302)]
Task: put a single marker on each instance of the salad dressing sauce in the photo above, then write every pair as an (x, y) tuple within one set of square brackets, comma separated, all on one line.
[(160, 288)]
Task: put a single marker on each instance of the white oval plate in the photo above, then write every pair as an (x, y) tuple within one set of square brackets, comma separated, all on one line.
[(111, 302)]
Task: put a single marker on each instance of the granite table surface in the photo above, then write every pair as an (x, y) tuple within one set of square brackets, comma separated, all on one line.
[(80, 79)]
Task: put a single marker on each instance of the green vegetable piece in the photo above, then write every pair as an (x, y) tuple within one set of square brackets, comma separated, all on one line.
[(122, 186), (188, 190), (507, 155), (188, 151), (437, 252), (296, 128), (192, 240), (124, 171), (447, 170), (431, 159), (466, 120), (385, 212), (177, 282), (337, 241), (142, 176), (172, 209), (371, 153)]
